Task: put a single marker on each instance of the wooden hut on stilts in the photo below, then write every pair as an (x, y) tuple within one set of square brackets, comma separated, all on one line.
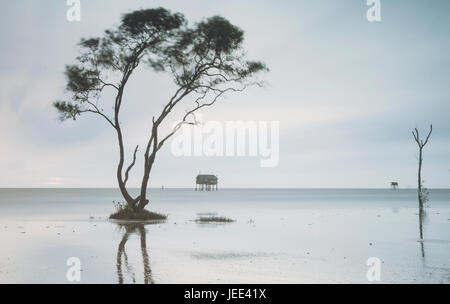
[(206, 182)]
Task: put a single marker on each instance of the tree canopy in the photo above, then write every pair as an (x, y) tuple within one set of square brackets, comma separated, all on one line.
[(205, 60)]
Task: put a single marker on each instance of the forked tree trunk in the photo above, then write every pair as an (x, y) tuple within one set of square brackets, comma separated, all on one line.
[(148, 164), (419, 181), (421, 144), (130, 201), (143, 201)]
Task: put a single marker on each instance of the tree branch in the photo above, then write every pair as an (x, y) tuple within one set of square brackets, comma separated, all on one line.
[(192, 111), (131, 165), (416, 136), (428, 136), (420, 142), (97, 111)]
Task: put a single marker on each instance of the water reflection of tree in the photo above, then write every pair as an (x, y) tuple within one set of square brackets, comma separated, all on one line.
[(422, 216), (122, 257)]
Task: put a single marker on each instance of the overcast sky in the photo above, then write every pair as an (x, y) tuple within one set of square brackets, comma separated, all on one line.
[(346, 92)]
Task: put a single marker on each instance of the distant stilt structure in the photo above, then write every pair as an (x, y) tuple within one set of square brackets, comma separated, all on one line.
[(394, 185), (206, 182)]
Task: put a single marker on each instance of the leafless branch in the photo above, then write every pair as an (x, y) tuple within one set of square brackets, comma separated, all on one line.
[(420, 142), (428, 136), (416, 136), (105, 84), (218, 93), (131, 165), (96, 110)]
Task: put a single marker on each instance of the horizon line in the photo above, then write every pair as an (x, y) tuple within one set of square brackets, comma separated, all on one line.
[(224, 188)]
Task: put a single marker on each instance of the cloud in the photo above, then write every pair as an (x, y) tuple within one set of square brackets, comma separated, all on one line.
[(346, 92)]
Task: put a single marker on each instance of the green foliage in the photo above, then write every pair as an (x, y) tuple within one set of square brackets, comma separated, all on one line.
[(150, 21), (91, 43), (209, 55), (81, 80), (67, 110), (205, 60), (219, 35), (424, 194), (200, 58), (214, 219), (141, 34), (121, 206)]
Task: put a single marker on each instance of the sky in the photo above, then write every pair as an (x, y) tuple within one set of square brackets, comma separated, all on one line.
[(346, 92)]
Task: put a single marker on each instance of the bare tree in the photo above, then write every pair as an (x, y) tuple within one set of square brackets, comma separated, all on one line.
[(206, 61), (420, 190)]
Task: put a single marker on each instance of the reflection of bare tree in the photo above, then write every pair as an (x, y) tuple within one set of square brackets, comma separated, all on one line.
[(421, 221), (145, 259), (130, 229)]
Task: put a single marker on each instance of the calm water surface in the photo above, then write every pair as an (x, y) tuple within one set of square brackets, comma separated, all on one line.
[(280, 236)]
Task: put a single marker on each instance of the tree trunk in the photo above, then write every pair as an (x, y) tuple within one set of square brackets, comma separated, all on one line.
[(419, 181), (143, 201), (130, 201), (148, 164)]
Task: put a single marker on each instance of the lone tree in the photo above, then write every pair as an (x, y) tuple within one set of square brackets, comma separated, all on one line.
[(205, 61), (422, 195)]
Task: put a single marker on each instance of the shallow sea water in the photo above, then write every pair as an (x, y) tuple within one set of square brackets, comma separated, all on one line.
[(279, 236)]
